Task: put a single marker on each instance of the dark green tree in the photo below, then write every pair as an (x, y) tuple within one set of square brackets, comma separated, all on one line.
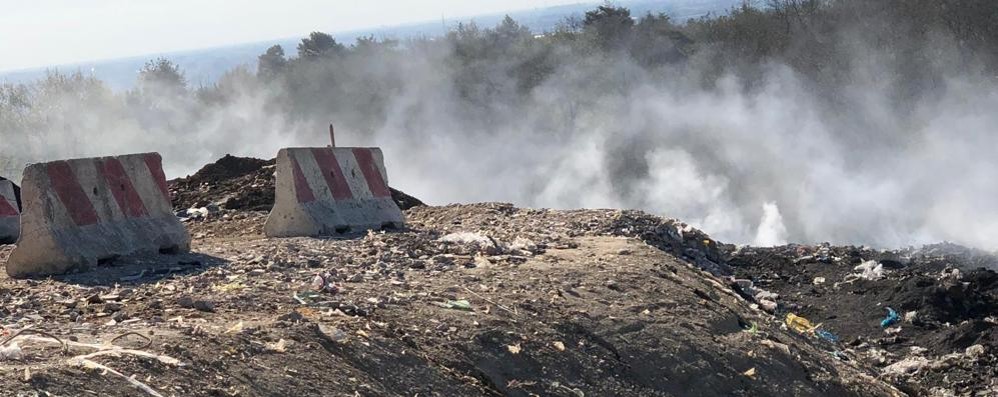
[(271, 64), (162, 76), (611, 25), (318, 45)]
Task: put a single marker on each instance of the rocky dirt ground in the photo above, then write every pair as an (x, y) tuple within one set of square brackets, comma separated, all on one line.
[(488, 299)]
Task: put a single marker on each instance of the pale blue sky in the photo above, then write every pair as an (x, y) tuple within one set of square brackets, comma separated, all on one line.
[(35, 33)]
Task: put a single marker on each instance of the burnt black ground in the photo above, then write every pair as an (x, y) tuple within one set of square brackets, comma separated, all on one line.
[(952, 291)]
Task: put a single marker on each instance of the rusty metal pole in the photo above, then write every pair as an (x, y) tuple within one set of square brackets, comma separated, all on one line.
[(332, 136)]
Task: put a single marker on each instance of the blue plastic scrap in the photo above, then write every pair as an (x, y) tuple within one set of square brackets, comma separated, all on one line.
[(892, 318), (827, 335)]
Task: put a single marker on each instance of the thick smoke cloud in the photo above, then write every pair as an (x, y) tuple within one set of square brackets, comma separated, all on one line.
[(765, 157)]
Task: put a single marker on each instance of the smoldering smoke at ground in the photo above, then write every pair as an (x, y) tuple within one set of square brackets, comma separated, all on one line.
[(764, 157), (767, 166)]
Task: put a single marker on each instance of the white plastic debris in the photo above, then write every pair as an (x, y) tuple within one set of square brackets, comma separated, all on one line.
[(974, 351), (523, 246), (10, 352), (467, 238), (870, 270), (907, 366)]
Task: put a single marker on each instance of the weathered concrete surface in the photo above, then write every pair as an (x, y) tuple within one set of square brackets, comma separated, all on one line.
[(329, 191), (10, 214), (77, 213)]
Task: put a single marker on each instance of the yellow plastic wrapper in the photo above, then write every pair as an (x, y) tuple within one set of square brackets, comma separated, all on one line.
[(800, 324)]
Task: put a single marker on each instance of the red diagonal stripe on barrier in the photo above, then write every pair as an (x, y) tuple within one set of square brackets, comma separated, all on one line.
[(155, 164), (302, 191), (71, 194), (332, 173), (6, 209), (121, 188), (371, 173)]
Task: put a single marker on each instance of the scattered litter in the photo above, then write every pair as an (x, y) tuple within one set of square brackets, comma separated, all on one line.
[(279, 347), (818, 281), (332, 333), (11, 352), (307, 297), (828, 336), (230, 287), (321, 283), (776, 346), (891, 319), (558, 345), (569, 391), (907, 366), (974, 351), (514, 349), (800, 324), (750, 373), (235, 329), (870, 270), (768, 305), (467, 238), (461, 304)]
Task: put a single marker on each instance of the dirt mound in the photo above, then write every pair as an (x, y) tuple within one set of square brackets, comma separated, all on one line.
[(228, 167), (472, 300), (945, 301), (241, 183)]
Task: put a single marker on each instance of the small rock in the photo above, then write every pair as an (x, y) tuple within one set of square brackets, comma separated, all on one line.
[(204, 306), (94, 299)]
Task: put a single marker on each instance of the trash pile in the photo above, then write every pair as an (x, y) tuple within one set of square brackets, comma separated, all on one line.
[(233, 183), (926, 318), (490, 299), (483, 299), (237, 184)]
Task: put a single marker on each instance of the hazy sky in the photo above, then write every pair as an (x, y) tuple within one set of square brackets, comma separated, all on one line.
[(51, 32)]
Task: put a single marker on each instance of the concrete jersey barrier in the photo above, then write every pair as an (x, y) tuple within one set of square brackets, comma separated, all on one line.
[(77, 213), (10, 214), (329, 191)]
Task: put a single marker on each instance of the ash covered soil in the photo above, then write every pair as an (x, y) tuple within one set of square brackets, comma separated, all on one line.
[(489, 299)]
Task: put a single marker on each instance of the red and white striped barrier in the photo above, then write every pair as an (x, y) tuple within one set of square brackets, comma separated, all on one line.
[(76, 213), (10, 215), (329, 191)]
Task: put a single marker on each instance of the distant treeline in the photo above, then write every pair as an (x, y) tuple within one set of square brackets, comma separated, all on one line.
[(915, 44)]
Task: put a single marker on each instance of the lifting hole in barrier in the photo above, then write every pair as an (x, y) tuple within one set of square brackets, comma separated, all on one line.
[(343, 229), (107, 260), (95, 190), (389, 226), (170, 250)]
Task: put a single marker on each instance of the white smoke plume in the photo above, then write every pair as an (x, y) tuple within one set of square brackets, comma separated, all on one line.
[(771, 231), (608, 133)]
